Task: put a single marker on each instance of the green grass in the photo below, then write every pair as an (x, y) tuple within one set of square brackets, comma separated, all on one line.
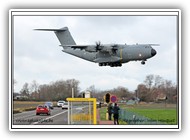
[(158, 112), (168, 116), (103, 111)]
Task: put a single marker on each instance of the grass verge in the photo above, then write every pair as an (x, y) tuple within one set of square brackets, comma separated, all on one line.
[(103, 111), (168, 116), (21, 106)]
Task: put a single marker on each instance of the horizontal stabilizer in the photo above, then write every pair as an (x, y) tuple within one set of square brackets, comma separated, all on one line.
[(63, 35), (57, 30)]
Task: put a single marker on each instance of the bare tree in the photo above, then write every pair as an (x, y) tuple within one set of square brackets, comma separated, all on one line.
[(158, 80), (157, 87), (72, 83), (34, 86), (149, 81), (143, 93), (34, 89), (58, 90), (25, 90)]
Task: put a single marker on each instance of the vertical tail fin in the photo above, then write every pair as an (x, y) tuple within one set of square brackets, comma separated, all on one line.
[(63, 35)]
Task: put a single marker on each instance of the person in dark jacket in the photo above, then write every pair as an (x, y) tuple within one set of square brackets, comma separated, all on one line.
[(116, 113), (110, 111)]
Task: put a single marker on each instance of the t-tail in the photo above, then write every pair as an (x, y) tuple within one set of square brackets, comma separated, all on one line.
[(63, 35)]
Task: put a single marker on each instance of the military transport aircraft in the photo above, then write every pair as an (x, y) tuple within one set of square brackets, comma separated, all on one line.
[(105, 54)]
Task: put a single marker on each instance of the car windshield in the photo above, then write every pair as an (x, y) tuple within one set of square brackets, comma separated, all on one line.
[(41, 106), (61, 101)]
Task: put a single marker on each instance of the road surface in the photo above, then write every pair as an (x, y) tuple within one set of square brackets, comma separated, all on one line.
[(57, 117)]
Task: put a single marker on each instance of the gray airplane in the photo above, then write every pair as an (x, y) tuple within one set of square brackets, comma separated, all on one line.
[(105, 54)]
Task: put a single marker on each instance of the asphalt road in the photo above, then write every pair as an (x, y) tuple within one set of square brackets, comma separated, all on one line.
[(57, 117)]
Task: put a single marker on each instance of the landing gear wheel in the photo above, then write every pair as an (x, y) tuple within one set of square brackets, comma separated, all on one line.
[(119, 64), (115, 65), (111, 64), (143, 62)]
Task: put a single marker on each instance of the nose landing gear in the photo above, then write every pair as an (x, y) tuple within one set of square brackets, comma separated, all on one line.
[(142, 62)]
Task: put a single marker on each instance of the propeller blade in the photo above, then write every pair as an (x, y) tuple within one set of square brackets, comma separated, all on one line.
[(114, 48), (98, 43), (98, 46)]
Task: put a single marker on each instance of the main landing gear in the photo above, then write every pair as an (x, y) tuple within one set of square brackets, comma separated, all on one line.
[(111, 64)]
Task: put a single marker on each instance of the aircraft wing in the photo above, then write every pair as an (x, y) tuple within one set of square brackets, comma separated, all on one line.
[(95, 48), (88, 48), (76, 46), (79, 47)]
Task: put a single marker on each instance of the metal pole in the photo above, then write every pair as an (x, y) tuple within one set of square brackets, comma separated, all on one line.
[(68, 113), (89, 104), (72, 92), (71, 109)]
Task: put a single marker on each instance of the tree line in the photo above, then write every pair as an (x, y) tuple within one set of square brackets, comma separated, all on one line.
[(54, 91), (153, 89)]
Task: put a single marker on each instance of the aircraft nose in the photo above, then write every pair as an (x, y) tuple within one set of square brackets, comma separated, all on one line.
[(153, 52)]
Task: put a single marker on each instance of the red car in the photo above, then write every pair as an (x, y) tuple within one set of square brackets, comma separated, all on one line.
[(42, 109)]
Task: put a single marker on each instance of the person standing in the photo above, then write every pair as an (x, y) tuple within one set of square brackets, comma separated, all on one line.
[(110, 111), (116, 113)]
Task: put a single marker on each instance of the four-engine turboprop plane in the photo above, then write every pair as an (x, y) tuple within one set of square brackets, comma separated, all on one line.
[(105, 54)]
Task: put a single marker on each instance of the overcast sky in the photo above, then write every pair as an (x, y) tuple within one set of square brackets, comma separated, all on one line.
[(38, 56)]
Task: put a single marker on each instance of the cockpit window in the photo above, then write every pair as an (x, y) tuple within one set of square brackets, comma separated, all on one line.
[(147, 46)]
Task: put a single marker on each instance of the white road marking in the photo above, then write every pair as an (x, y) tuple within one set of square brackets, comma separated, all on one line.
[(49, 117)]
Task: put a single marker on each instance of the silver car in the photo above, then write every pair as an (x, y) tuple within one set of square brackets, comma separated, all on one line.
[(65, 105), (60, 103), (49, 104)]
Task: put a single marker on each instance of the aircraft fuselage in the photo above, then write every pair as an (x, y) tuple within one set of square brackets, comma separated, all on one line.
[(124, 54)]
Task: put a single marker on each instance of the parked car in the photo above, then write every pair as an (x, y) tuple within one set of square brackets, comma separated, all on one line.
[(60, 103), (43, 109), (65, 105), (49, 104)]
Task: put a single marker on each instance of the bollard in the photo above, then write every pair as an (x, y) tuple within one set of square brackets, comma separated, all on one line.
[(107, 115)]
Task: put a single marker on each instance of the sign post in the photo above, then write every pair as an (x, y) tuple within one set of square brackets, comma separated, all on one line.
[(113, 98)]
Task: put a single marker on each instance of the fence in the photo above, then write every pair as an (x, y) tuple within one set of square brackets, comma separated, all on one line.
[(135, 119)]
